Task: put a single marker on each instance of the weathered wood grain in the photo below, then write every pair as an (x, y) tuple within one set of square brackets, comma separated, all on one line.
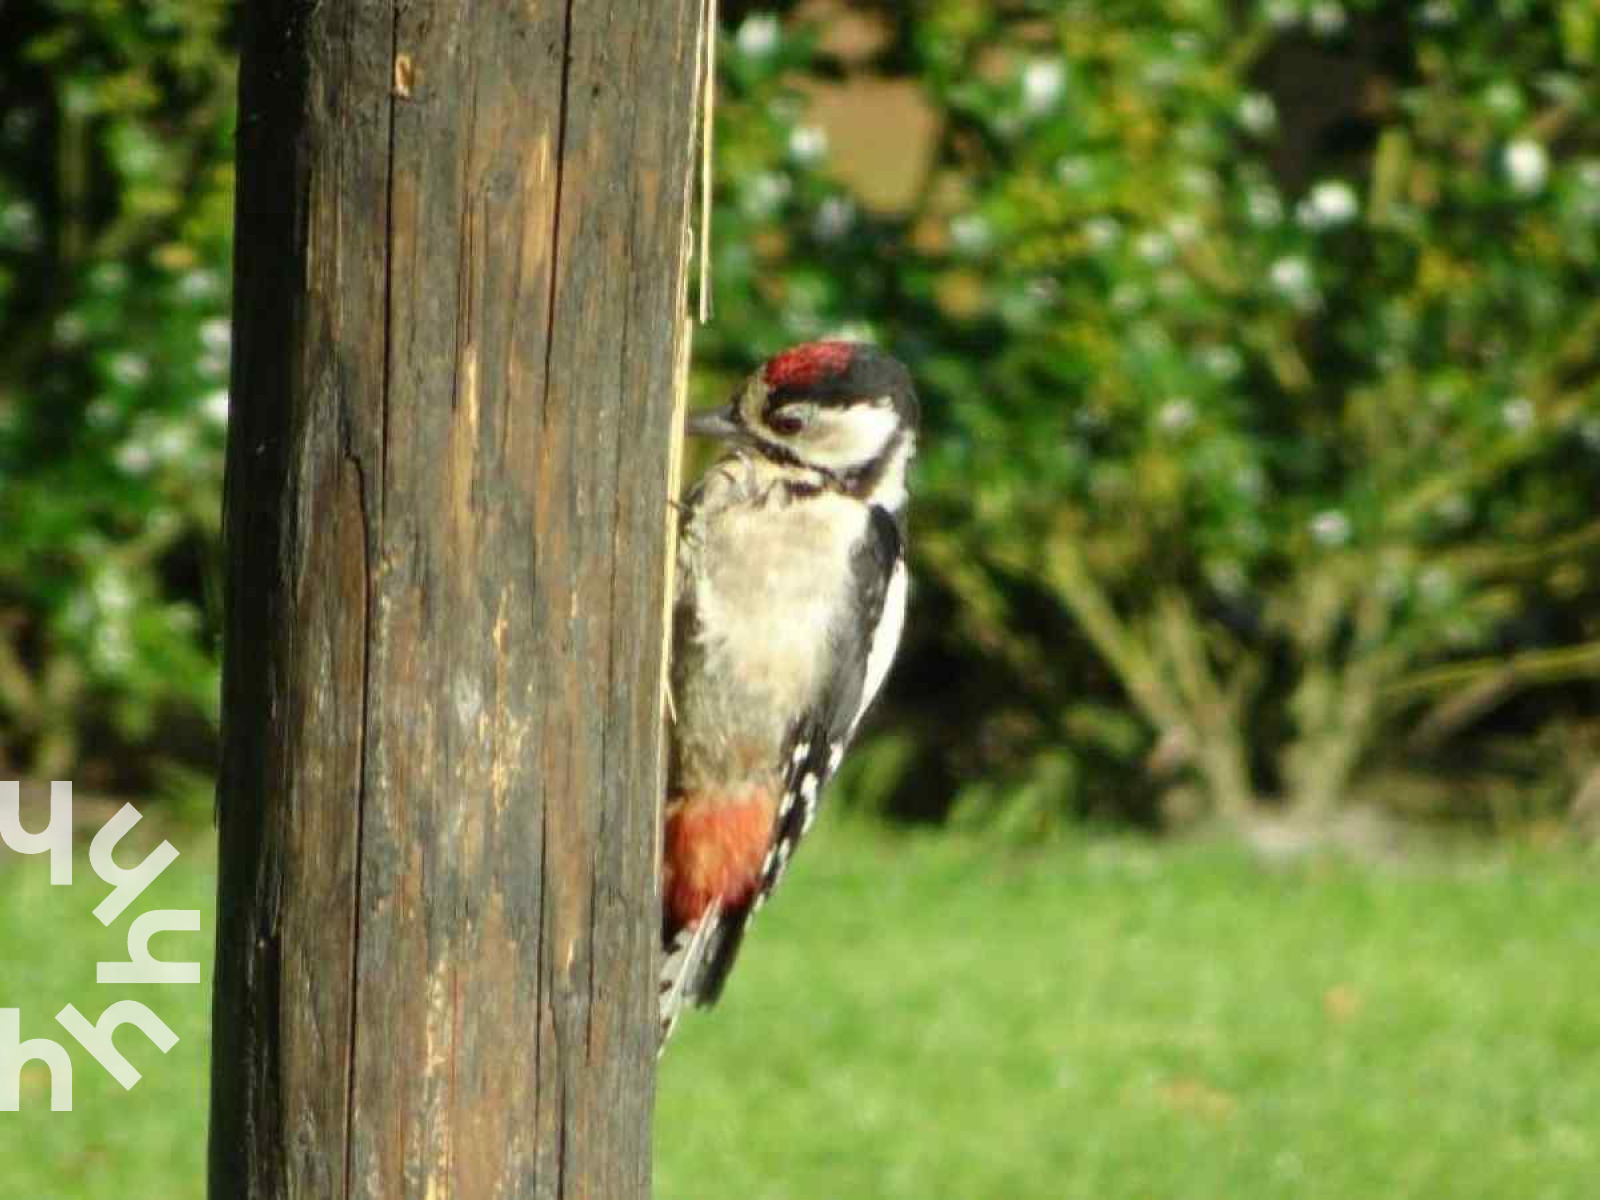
[(459, 288)]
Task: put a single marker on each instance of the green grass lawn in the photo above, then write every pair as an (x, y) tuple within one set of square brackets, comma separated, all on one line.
[(146, 1142), (934, 1017)]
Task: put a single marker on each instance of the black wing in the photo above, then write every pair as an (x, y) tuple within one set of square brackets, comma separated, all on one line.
[(815, 745)]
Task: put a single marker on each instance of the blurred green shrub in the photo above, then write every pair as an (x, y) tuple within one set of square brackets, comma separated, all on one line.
[(1260, 351), (115, 219), (1257, 343)]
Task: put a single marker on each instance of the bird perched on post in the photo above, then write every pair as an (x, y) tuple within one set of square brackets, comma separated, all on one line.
[(791, 594)]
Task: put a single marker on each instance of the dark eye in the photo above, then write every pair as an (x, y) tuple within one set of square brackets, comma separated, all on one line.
[(790, 420)]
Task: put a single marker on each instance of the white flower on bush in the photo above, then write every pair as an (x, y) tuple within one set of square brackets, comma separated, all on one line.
[(807, 144), (1008, 124), (199, 285), (1504, 99), (1392, 583), (214, 408), (1250, 481), (1183, 228), (854, 331), (133, 457), (1154, 246), (19, 225), (1150, 337), (1330, 203), (1042, 289), (18, 124), (1518, 414), (758, 35), (1161, 73), (1326, 18), (113, 648), (128, 369), (1223, 362), (834, 218), (1330, 528), (1527, 165), (1176, 416), (1127, 298), (70, 329), (111, 644), (1454, 510), (112, 594), (171, 442), (1198, 182), (970, 233), (180, 618), (1436, 585), (216, 335), (1102, 233), (1227, 576), (1073, 170), (1257, 113), (1292, 276), (1043, 81), (1171, 285), (1263, 206), (764, 193), (1282, 14), (108, 277), (1587, 177)]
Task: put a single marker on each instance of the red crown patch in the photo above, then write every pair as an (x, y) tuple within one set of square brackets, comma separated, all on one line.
[(806, 365)]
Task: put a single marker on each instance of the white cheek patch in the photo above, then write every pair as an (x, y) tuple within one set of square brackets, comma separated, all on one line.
[(842, 438), (890, 492)]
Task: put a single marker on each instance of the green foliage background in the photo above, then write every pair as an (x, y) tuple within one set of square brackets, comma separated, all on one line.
[(1258, 350), (116, 197)]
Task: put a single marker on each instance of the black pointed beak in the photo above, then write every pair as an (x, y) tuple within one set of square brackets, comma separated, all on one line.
[(716, 423)]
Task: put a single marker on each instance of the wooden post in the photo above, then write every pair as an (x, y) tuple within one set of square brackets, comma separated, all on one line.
[(460, 269)]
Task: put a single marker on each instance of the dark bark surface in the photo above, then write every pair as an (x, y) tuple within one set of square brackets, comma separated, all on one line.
[(459, 286)]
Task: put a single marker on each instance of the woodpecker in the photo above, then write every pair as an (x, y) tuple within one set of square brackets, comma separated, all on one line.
[(791, 595)]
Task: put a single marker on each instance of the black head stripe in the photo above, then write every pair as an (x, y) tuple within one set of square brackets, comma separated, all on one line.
[(818, 478), (773, 452)]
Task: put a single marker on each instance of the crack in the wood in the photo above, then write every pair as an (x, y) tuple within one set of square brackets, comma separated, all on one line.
[(367, 537), (611, 667), (555, 216), (370, 538), (466, 271), (547, 963)]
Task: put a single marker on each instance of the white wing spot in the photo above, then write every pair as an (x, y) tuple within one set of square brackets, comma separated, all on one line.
[(808, 794), (800, 752), (885, 639), (835, 757)]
